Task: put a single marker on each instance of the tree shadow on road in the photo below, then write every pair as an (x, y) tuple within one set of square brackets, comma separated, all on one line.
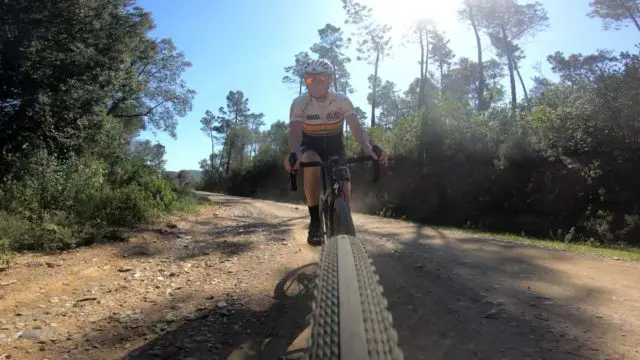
[(226, 328), (208, 238), (263, 334), (467, 298)]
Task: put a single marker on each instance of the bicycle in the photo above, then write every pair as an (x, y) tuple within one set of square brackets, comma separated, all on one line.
[(349, 317)]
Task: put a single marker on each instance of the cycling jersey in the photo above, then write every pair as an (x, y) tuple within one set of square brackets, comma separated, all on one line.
[(324, 118), (322, 122)]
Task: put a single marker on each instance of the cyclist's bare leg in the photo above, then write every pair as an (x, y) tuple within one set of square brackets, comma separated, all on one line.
[(312, 193), (311, 179)]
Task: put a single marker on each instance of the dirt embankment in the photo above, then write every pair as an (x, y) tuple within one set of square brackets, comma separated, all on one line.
[(232, 283)]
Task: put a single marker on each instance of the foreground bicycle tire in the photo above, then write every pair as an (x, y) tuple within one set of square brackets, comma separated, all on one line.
[(342, 220), (350, 318)]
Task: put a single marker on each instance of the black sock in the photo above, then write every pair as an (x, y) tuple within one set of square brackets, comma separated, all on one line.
[(314, 211)]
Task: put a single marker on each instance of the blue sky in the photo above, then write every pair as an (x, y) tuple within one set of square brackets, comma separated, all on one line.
[(245, 44)]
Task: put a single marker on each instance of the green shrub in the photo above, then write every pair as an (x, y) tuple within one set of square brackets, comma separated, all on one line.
[(138, 202), (12, 228), (188, 201), (60, 205)]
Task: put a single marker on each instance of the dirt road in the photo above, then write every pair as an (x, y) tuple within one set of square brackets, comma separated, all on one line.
[(231, 283)]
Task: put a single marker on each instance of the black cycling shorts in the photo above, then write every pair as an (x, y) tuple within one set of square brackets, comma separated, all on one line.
[(324, 146)]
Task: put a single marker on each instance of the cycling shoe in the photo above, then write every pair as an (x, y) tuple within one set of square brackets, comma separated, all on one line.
[(314, 237)]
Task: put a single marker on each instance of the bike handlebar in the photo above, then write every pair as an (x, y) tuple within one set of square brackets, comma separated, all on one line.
[(352, 160)]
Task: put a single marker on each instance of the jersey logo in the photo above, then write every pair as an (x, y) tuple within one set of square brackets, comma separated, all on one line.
[(313, 117), (333, 116)]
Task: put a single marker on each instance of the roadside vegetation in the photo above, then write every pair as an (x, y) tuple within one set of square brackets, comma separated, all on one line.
[(80, 81)]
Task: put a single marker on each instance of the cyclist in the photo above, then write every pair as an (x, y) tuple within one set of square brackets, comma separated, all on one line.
[(316, 120)]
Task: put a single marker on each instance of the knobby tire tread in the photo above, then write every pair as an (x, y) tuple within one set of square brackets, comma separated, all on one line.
[(381, 337), (325, 316), (344, 221)]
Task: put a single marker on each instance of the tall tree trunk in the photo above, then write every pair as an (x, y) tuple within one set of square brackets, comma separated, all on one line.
[(630, 13), (512, 82), (441, 78), (212, 152), (482, 104), (426, 70), (421, 85), (253, 159), (230, 146), (335, 78), (375, 88), (524, 88), (512, 79), (231, 142), (224, 145)]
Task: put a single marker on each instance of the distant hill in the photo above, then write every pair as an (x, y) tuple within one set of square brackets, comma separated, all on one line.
[(196, 175)]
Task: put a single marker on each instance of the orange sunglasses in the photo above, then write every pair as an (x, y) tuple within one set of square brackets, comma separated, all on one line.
[(317, 79)]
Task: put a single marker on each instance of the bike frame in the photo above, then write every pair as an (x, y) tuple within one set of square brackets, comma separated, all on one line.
[(336, 173)]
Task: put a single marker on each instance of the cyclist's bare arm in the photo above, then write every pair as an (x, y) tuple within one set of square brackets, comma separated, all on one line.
[(358, 131), (360, 134), (295, 129), (351, 117)]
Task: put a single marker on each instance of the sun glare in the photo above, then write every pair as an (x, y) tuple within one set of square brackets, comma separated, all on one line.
[(402, 13)]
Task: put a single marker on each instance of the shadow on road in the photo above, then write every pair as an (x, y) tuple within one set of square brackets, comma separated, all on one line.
[(469, 298), (225, 329), (209, 238), (220, 333)]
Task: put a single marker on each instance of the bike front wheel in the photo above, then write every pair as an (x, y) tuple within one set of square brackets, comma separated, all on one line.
[(350, 318), (342, 220)]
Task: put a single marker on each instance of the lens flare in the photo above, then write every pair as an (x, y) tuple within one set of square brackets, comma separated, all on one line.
[(400, 14)]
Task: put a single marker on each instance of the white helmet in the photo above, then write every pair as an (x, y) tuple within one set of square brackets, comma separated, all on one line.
[(317, 67)]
